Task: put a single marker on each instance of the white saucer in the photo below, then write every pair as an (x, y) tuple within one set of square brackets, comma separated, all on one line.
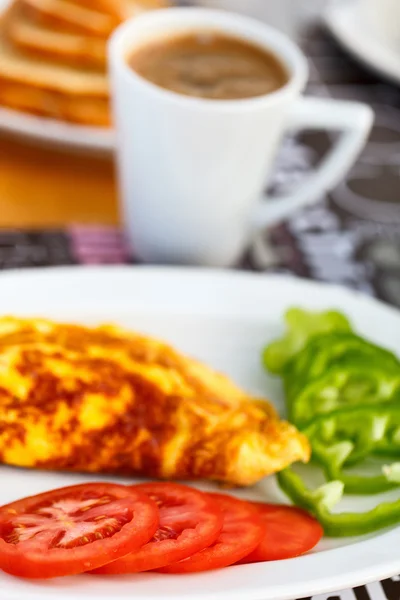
[(346, 25)]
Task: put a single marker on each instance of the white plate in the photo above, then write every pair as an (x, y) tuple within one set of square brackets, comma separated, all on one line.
[(51, 131), (344, 22), (224, 318), (56, 133)]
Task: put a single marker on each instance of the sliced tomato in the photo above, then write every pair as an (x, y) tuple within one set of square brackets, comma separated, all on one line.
[(241, 533), (288, 532), (74, 529), (189, 522)]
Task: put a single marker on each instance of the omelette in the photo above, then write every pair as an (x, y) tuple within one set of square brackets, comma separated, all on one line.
[(105, 400)]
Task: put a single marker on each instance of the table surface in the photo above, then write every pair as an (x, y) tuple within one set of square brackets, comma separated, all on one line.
[(43, 187)]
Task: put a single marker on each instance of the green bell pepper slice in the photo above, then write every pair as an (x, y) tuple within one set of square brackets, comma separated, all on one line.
[(333, 349), (332, 459), (389, 445), (301, 326), (347, 437), (321, 501), (348, 383)]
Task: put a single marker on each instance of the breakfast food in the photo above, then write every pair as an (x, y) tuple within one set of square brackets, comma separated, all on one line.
[(130, 529), (105, 400), (73, 17), (189, 521), (288, 532), (57, 533), (53, 56), (242, 531), (59, 91), (66, 47), (343, 392)]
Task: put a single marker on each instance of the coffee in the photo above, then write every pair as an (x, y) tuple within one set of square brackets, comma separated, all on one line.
[(209, 65)]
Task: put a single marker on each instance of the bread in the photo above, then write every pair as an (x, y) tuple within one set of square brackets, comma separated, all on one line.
[(92, 17), (71, 17), (31, 34), (111, 7), (70, 48), (121, 8), (19, 68), (53, 56), (49, 88), (82, 110)]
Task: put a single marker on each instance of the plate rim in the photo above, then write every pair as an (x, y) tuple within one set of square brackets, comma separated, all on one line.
[(378, 561), (366, 49), (151, 271), (57, 133)]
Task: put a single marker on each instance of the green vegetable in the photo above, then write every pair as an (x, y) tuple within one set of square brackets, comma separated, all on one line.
[(389, 445), (355, 382), (334, 349), (301, 327), (343, 392), (362, 428), (345, 438), (321, 501), (392, 472)]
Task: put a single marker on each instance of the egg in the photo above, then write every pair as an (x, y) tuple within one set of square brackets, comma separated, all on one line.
[(106, 400)]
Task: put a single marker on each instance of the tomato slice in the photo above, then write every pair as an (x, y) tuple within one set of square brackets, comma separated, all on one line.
[(73, 529), (189, 522), (241, 533), (288, 532)]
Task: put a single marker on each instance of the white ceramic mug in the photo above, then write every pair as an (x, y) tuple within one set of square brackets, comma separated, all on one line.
[(192, 171)]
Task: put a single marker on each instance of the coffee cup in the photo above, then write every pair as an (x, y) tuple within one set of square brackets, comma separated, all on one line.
[(192, 171)]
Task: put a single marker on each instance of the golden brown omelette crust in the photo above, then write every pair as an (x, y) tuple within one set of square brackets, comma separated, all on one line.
[(103, 400)]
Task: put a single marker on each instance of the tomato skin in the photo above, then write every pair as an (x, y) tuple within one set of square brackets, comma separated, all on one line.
[(179, 506), (241, 533), (124, 520), (288, 532)]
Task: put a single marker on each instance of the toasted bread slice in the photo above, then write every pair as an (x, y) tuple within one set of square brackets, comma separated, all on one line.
[(59, 71), (128, 8), (71, 17), (82, 110), (109, 7), (20, 68), (47, 88), (122, 8), (70, 48)]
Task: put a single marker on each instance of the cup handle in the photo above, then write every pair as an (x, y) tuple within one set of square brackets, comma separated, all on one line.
[(354, 120)]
